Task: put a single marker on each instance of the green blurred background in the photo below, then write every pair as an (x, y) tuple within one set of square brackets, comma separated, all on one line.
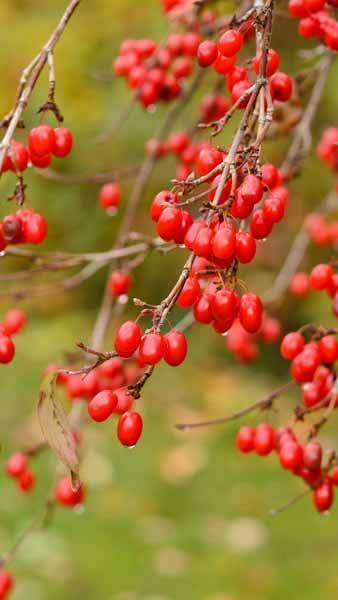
[(183, 516)]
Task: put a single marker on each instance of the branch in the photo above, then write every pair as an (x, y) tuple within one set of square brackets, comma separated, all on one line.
[(28, 80), (263, 404)]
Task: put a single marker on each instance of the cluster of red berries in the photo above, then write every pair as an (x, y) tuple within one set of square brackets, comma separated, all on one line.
[(43, 143), (106, 389), (321, 278), (303, 461), (156, 73), (316, 20), (23, 227), (244, 345), (13, 322), (321, 231), (220, 241), (6, 583), (17, 467), (221, 56), (327, 148), (311, 364), (109, 197), (150, 347)]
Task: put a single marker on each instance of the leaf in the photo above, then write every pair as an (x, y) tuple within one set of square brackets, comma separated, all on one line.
[(56, 429)]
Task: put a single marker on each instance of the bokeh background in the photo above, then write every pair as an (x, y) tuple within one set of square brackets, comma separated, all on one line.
[(182, 516)]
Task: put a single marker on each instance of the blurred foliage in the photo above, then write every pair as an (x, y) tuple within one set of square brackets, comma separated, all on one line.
[(183, 516)]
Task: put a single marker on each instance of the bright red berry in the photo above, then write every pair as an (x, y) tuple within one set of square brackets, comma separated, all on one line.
[(264, 439), (290, 455), (207, 53), (26, 481), (245, 439), (16, 464), (102, 405), (41, 140), (174, 348), (119, 283), (129, 428), (251, 312), (14, 321), (323, 496), (63, 142), (110, 195), (281, 86), (230, 42), (151, 348), (7, 349), (127, 339), (65, 495)]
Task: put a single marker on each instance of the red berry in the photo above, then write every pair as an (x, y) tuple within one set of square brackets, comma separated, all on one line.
[(19, 156), (151, 348), (41, 140), (178, 142), (245, 246), (224, 305), (127, 339), (207, 160), (202, 309), (6, 583), (272, 63), (224, 242), (189, 292), (299, 285), (207, 53), (203, 242), (129, 428), (292, 344), (119, 283), (328, 349), (65, 495), (251, 189), (16, 464), (323, 496), (191, 41), (63, 142), (280, 86), (238, 90), (110, 195), (14, 321), (160, 202), (169, 223), (102, 405), (124, 401), (245, 439), (312, 456), (264, 440), (35, 229), (320, 276), (42, 162), (260, 226), (26, 481), (251, 312), (223, 64), (273, 209), (290, 455), (269, 175), (174, 348), (7, 349), (230, 42)]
